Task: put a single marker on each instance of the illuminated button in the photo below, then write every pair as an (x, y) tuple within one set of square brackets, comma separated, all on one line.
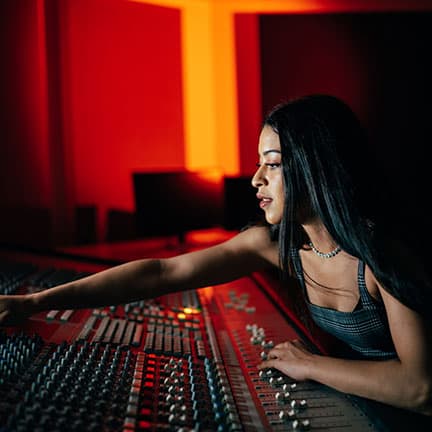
[(144, 425), (145, 412)]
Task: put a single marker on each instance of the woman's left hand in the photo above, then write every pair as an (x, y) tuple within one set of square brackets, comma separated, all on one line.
[(291, 358)]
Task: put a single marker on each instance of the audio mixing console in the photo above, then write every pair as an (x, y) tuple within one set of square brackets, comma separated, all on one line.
[(182, 362)]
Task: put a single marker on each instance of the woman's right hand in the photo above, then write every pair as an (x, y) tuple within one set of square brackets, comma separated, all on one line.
[(15, 309)]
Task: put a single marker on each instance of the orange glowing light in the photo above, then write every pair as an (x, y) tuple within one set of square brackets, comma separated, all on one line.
[(181, 316), (207, 293), (210, 108), (211, 175), (190, 311)]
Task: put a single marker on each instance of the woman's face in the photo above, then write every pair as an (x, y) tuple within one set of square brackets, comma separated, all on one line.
[(268, 177)]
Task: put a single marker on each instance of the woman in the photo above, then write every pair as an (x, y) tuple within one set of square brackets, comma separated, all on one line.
[(320, 228)]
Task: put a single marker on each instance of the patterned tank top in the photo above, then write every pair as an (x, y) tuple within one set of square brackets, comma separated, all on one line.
[(365, 330)]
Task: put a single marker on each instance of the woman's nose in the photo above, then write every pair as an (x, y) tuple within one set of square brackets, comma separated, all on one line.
[(258, 179)]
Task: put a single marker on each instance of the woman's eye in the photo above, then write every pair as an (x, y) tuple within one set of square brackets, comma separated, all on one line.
[(273, 165), (270, 165)]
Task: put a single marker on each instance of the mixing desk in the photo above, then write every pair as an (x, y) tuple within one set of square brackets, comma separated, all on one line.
[(182, 362)]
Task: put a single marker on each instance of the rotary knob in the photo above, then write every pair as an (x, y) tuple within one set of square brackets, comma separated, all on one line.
[(287, 415), (298, 404), (282, 396), (302, 425)]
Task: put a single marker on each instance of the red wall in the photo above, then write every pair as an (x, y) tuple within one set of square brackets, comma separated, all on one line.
[(24, 156), (123, 83), (91, 92), (248, 89)]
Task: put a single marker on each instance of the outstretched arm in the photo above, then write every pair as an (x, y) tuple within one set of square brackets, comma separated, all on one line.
[(249, 251), (405, 382)]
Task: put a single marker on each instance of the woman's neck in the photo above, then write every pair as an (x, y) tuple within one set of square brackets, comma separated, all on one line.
[(319, 236)]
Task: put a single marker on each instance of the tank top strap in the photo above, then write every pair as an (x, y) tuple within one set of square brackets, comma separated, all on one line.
[(365, 297)]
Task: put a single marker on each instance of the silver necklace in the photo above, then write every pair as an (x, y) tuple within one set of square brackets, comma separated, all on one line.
[(330, 254)]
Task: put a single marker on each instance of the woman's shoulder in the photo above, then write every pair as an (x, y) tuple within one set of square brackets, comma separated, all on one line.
[(258, 233), (257, 240)]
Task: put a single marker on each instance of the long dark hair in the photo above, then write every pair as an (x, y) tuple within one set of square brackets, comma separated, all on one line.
[(329, 169)]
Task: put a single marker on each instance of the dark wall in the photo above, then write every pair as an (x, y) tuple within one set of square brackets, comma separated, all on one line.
[(379, 63)]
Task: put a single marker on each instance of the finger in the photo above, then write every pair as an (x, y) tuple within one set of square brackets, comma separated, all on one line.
[(271, 355), (3, 315), (282, 345), (275, 353), (281, 348), (267, 364), (301, 346)]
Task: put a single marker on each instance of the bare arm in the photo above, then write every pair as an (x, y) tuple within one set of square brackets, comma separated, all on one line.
[(404, 382), (249, 251)]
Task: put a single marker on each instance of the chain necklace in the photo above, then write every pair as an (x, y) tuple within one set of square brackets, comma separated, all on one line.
[(330, 254)]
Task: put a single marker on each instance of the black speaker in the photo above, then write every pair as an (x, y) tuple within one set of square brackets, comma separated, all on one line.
[(240, 203), (173, 203)]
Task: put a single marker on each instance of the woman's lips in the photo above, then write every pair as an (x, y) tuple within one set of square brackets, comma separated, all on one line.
[(264, 201)]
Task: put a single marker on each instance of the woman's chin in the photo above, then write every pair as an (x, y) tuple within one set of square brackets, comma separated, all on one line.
[(272, 220)]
